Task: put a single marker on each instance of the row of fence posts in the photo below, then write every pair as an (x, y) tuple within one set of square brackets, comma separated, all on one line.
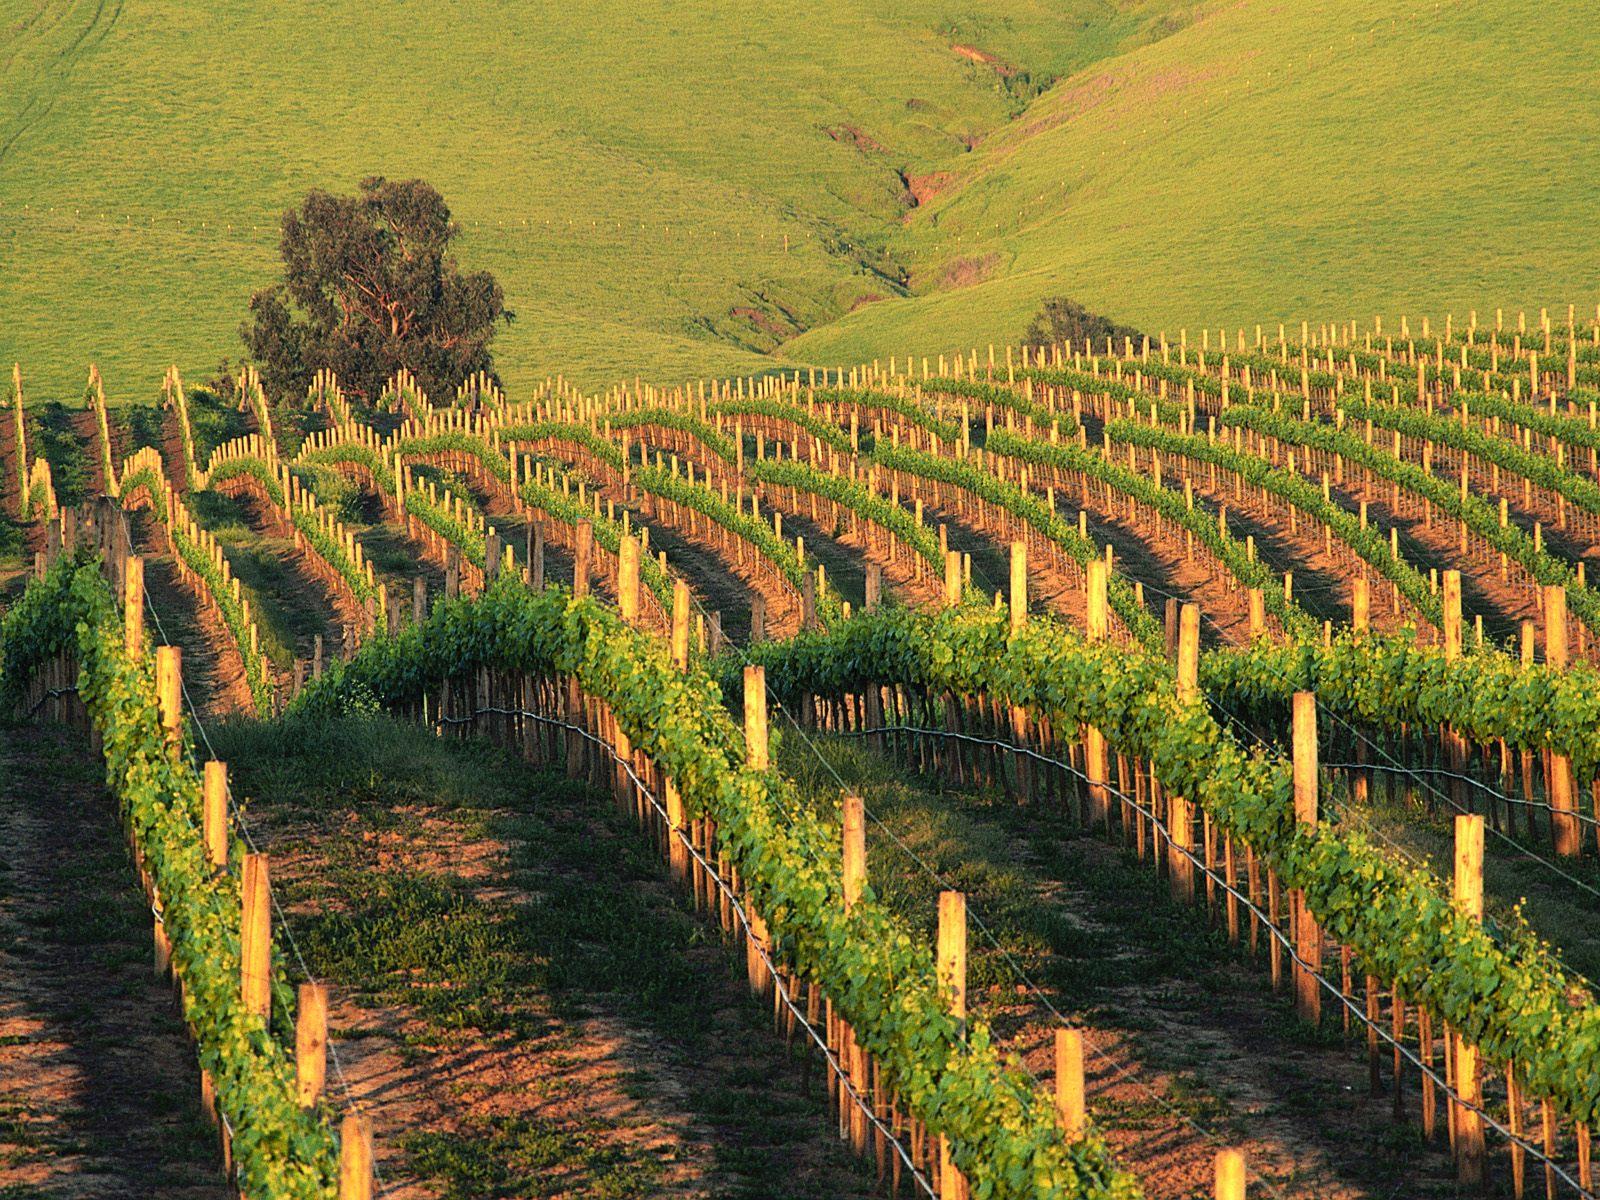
[(1467, 879), (951, 938), (126, 570)]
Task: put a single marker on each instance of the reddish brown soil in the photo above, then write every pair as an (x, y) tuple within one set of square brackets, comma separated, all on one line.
[(99, 1087), (1437, 546), (213, 672), (602, 1073), (1322, 585)]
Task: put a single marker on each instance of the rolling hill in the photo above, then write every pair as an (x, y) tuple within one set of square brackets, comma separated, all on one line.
[(677, 186), (678, 189)]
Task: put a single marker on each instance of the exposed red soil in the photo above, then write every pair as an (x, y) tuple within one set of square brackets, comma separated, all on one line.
[(99, 1087), (213, 672)]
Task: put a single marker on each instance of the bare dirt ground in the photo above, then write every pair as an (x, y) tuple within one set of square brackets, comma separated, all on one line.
[(1188, 1049), (587, 1036), (99, 1089), (213, 672)]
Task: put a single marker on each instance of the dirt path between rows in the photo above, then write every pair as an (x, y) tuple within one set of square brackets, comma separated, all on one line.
[(99, 1088), (213, 672), (1188, 1048), (588, 1036)]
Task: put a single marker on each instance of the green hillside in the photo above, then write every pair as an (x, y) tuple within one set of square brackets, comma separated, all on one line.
[(682, 190), (1326, 158), (630, 170)]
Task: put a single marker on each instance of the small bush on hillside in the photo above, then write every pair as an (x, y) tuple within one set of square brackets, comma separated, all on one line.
[(1063, 320)]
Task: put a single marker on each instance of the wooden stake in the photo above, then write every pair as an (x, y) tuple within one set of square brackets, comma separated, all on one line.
[(1452, 615), (169, 690), (628, 579), (874, 594), (855, 850), (1098, 623), (952, 578), (680, 625), (1555, 627), (583, 552), (1468, 896), (755, 717), (311, 1042), (952, 952), (1564, 827), (1230, 1175), (1180, 833), (214, 812), (1361, 605), (1096, 768), (255, 937), (1307, 937), (1070, 1108), (133, 606), (1019, 586), (355, 1158)]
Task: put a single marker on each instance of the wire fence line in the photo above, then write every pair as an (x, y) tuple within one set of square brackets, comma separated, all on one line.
[(1276, 932)]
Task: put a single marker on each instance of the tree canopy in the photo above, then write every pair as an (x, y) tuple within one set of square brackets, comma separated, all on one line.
[(1064, 320), (369, 286)]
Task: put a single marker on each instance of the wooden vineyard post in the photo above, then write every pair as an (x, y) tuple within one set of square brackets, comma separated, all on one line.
[(1555, 627), (419, 599), (1019, 586), (680, 625), (1361, 605), (214, 813), (755, 718), (855, 850), (581, 555), (952, 975), (1097, 627), (758, 618), (452, 573), (1565, 831), (854, 878), (628, 579), (1258, 613), (1468, 895), (1070, 1108), (1180, 832), (1230, 1175), (536, 558), (677, 850), (311, 1042), (808, 601), (1307, 937), (169, 691), (1098, 621), (255, 937), (1095, 769), (874, 595), (355, 1158), (1452, 615), (133, 607), (491, 558), (952, 578), (316, 657)]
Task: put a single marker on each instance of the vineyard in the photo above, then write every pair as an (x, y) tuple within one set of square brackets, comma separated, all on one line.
[(1163, 767)]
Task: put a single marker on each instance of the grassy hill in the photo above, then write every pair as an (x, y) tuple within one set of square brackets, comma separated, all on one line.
[(1326, 158), (679, 190), (662, 187)]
